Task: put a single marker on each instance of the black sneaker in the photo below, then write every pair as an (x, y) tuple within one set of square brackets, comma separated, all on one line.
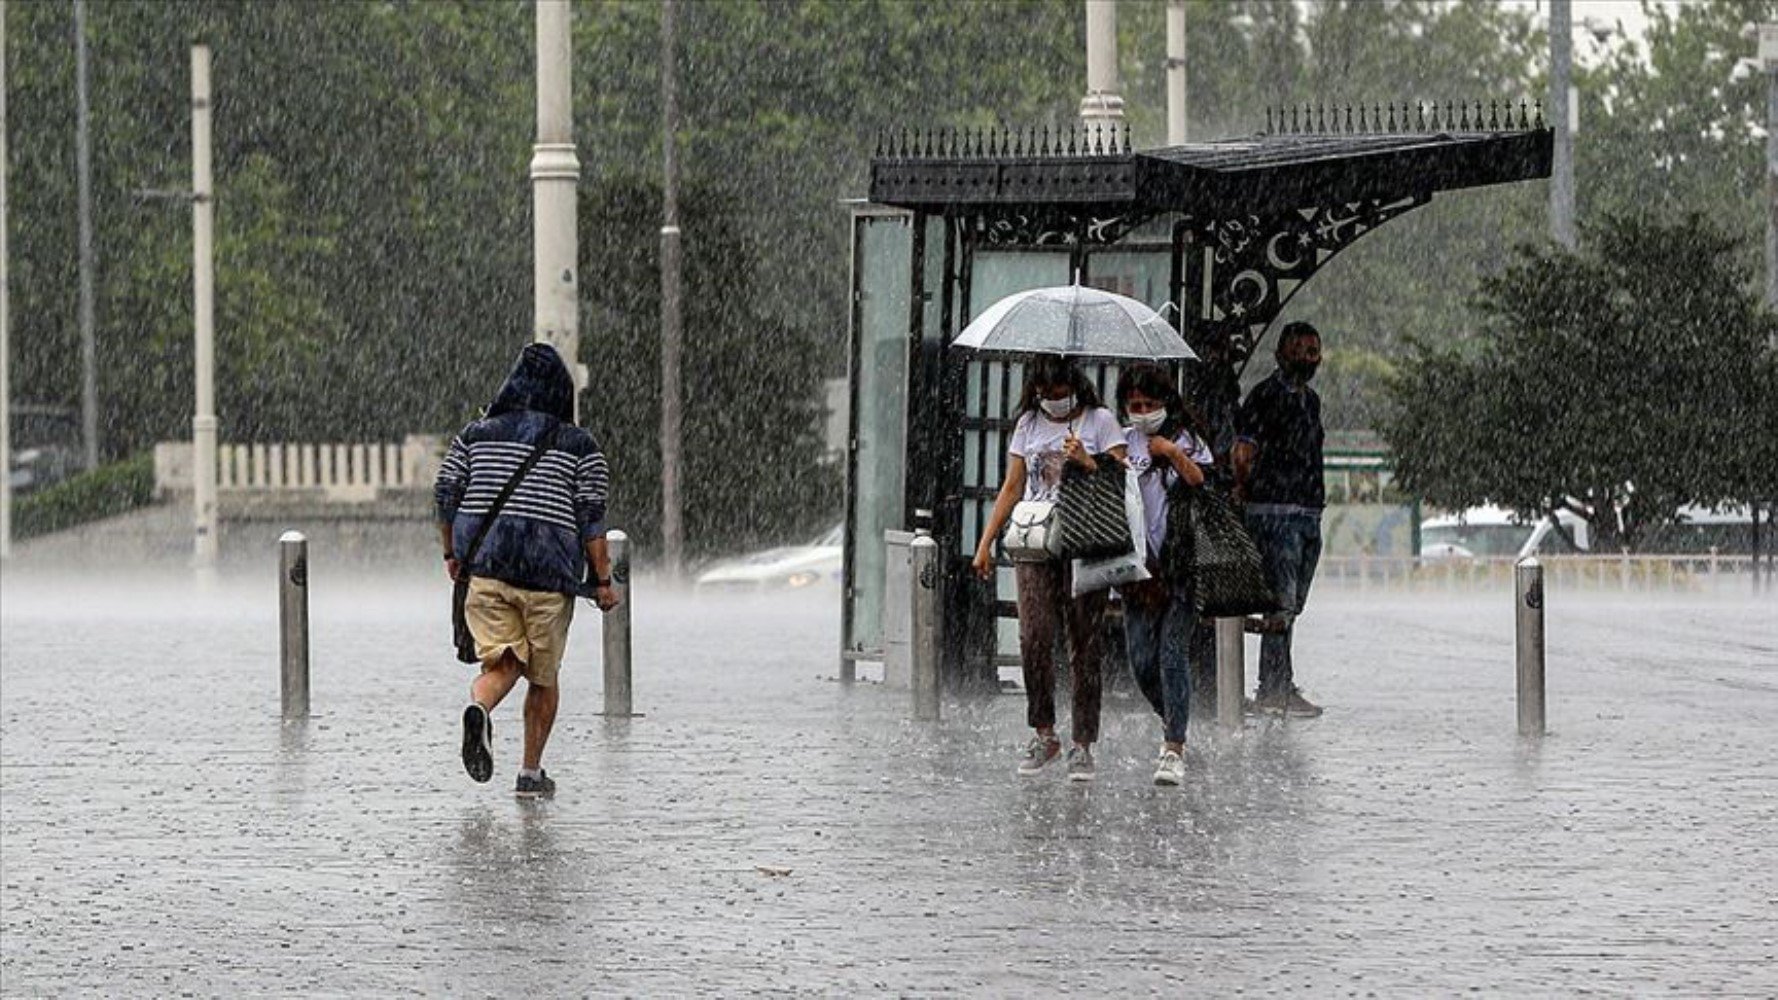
[(478, 742), (1289, 702), (541, 787)]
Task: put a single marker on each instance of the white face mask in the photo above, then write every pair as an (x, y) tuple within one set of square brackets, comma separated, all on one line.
[(1148, 423), (1058, 408)]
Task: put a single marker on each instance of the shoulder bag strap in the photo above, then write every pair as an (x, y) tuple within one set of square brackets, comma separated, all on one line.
[(547, 442)]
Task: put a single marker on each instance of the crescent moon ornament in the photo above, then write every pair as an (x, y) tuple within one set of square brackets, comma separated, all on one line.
[(1277, 259)]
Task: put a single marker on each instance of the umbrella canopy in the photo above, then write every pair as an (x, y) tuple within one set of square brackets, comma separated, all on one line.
[(1076, 321)]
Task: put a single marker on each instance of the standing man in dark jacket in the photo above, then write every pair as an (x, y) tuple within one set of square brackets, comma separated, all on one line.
[(1278, 476), (532, 563)]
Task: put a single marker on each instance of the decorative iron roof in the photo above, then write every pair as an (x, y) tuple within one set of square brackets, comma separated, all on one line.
[(1307, 155)]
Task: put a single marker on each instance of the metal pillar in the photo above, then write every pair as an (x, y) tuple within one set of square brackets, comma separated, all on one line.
[(83, 168), (1528, 577), (1231, 672), (5, 323), (1102, 106), (1562, 165), (672, 329), (555, 179), (1176, 90), (923, 578), (203, 281), (618, 689), (1768, 58), (293, 624)]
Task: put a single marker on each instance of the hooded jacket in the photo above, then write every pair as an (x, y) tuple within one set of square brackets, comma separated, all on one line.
[(538, 538)]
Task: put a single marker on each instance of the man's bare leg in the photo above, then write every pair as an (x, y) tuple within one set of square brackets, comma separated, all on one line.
[(540, 718), (495, 680)]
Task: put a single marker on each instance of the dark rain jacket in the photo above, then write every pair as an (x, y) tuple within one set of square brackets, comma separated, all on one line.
[(537, 541)]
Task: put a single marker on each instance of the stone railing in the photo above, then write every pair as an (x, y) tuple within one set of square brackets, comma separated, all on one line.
[(339, 472)]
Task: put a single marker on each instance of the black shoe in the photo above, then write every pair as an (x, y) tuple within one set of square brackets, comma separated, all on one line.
[(478, 743), (541, 787)]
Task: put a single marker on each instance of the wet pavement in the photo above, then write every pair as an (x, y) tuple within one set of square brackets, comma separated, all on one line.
[(763, 829)]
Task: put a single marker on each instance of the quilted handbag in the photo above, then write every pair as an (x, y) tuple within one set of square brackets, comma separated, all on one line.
[(1094, 524), (1228, 578)]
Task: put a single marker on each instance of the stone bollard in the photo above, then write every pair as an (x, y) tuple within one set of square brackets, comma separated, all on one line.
[(617, 629), (923, 582), (1231, 672), (1529, 579), (293, 624)]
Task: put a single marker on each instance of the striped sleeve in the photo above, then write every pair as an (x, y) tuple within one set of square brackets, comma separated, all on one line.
[(592, 485), (453, 480)]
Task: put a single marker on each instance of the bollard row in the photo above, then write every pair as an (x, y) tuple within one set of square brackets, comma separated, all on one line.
[(293, 624), (618, 692), (1528, 577)]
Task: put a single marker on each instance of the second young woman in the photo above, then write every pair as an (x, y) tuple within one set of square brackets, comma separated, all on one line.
[(1158, 614), (1060, 422)]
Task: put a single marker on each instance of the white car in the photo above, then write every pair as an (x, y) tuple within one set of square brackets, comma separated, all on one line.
[(1484, 532), (791, 567)]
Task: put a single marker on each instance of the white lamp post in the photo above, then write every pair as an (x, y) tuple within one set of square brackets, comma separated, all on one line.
[(1102, 106), (203, 280), (1175, 72), (5, 325), (555, 177)]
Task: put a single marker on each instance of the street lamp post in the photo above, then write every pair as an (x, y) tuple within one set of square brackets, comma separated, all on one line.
[(555, 178), (83, 168), (1103, 107), (203, 280), (1768, 60), (1176, 72), (5, 324), (672, 320), (1562, 163)]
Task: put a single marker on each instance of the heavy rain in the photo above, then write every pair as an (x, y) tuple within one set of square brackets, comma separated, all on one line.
[(1264, 497)]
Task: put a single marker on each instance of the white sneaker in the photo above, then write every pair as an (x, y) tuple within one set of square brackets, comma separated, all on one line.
[(1170, 769)]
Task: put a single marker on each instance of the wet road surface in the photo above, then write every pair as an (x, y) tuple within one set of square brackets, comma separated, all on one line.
[(763, 829)]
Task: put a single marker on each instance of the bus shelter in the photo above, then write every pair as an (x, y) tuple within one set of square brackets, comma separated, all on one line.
[(1216, 235)]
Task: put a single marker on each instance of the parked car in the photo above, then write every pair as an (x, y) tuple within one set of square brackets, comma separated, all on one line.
[(1482, 532), (790, 567), (45, 447)]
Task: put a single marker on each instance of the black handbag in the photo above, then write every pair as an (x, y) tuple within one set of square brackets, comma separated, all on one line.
[(1208, 543), (460, 634), (1091, 510)]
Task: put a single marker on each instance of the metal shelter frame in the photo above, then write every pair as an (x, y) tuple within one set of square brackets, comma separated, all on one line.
[(1239, 225)]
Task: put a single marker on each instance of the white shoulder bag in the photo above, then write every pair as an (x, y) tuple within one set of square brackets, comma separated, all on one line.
[(1034, 531)]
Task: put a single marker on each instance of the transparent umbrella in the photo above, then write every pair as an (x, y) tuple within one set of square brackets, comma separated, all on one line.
[(1076, 321)]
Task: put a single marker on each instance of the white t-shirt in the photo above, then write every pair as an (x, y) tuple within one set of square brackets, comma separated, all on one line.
[(1155, 477), (1038, 440)]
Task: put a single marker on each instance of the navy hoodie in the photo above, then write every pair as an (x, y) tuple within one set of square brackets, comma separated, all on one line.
[(537, 541)]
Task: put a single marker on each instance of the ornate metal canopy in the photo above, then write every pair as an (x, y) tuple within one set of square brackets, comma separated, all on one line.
[(1255, 216)]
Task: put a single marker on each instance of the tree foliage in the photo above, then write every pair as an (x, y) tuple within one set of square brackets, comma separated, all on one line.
[(1610, 375), (374, 211)]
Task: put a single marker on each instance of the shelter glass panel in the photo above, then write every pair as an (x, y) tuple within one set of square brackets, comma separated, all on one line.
[(992, 385), (880, 347), (1141, 275)]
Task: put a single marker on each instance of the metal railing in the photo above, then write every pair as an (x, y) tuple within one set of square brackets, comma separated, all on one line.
[(1622, 572)]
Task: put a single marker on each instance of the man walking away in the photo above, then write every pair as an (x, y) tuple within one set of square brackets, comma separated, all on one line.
[(1278, 476), (532, 561)]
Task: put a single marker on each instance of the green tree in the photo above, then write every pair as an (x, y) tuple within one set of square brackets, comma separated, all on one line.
[(1607, 375)]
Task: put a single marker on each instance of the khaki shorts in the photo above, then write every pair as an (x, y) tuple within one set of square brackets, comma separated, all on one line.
[(533, 624)]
